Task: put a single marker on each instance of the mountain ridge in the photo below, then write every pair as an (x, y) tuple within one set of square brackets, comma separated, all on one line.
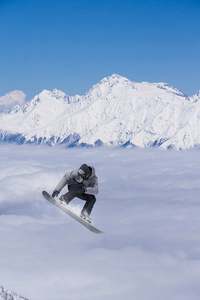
[(114, 112), (7, 295)]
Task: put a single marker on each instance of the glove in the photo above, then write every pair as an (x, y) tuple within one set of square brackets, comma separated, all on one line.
[(55, 193)]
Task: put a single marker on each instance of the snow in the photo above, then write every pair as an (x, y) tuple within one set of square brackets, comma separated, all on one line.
[(116, 111), (148, 207), (7, 295)]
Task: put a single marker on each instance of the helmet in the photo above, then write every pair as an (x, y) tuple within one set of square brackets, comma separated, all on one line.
[(84, 170)]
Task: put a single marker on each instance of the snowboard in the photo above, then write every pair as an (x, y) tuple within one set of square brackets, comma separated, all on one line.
[(70, 213)]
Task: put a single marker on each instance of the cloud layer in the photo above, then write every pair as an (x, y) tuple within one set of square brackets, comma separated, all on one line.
[(12, 98), (148, 207)]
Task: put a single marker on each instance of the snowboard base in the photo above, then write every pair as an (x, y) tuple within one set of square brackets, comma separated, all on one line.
[(70, 213)]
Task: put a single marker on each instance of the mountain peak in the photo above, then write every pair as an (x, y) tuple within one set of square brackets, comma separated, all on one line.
[(195, 97), (113, 84), (171, 89), (115, 79), (115, 111), (57, 94)]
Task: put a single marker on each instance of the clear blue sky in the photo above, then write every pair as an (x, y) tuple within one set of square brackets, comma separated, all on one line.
[(71, 45)]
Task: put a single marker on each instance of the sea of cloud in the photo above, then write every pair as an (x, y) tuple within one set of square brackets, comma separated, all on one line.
[(148, 207)]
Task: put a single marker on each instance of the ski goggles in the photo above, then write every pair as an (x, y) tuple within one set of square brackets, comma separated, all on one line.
[(81, 173), (84, 175)]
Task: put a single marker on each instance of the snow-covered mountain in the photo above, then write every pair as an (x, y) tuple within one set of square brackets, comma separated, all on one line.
[(6, 295), (116, 111)]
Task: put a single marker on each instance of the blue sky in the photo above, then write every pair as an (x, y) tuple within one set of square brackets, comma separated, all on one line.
[(71, 45)]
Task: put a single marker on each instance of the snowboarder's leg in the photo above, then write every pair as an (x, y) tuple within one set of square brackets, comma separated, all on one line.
[(66, 198), (86, 211), (77, 190), (90, 201), (74, 190)]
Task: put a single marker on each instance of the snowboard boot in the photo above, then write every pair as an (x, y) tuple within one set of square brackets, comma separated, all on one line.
[(84, 215), (63, 200)]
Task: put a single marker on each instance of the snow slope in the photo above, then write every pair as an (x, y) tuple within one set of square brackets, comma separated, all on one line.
[(115, 111), (6, 295)]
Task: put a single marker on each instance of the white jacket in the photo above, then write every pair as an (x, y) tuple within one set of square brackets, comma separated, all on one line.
[(90, 184)]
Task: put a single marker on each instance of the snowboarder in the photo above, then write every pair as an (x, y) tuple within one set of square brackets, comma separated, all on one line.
[(83, 184)]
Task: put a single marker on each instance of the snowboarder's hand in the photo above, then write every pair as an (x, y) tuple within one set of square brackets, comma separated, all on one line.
[(55, 193)]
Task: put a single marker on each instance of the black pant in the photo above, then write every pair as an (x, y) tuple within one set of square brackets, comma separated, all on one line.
[(77, 190)]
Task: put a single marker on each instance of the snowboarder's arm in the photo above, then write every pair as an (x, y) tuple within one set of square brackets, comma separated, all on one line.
[(68, 178), (62, 183), (94, 189)]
